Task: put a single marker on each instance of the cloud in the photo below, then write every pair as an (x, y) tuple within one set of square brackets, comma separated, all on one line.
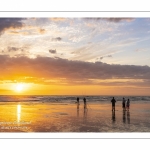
[(56, 39), (104, 57), (42, 31), (109, 56), (58, 19), (13, 68), (14, 32), (12, 49), (4, 90), (52, 51), (6, 23), (119, 19), (140, 50), (18, 49), (116, 20)]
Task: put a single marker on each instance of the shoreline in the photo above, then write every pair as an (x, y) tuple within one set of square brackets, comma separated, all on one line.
[(67, 117)]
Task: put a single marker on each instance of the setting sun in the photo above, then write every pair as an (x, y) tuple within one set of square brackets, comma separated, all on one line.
[(19, 87)]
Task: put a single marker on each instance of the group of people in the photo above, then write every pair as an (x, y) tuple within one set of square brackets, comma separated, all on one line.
[(125, 104), (84, 100)]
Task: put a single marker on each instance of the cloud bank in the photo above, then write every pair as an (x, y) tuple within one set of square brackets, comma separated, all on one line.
[(56, 68)]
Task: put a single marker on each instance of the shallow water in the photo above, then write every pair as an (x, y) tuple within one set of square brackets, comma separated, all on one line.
[(69, 117)]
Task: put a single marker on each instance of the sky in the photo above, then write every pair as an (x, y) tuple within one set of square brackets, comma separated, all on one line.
[(75, 56)]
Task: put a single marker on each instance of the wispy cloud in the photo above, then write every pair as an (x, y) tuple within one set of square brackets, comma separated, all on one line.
[(141, 50), (13, 49), (56, 39), (102, 57), (42, 31), (58, 19), (84, 39)]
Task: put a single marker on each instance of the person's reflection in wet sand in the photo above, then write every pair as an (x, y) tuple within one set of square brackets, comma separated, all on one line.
[(128, 117), (85, 115), (78, 105), (78, 109), (124, 116), (84, 100), (113, 116)]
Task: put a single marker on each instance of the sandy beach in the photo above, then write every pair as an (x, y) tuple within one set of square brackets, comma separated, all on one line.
[(69, 117)]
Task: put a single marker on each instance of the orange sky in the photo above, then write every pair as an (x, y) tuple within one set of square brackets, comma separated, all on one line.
[(74, 56), (41, 89), (56, 76)]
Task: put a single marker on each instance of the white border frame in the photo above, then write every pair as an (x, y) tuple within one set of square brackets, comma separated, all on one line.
[(74, 14)]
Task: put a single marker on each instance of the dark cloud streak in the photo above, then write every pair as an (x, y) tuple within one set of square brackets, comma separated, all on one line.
[(6, 23), (17, 49), (56, 39), (104, 57), (116, 20), (52, 51)]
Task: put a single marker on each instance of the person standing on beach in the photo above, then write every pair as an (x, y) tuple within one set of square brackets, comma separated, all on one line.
[(124, 104), (84, 100), (113, 104), (78, 103), (128, 104), (77, 100)]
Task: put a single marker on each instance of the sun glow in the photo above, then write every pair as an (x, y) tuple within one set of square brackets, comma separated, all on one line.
[(19, 87)]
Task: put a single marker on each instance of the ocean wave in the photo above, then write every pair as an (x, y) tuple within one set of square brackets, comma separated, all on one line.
[(61, 99)]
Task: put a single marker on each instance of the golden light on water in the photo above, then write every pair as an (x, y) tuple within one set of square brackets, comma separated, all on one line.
[(18, 112)]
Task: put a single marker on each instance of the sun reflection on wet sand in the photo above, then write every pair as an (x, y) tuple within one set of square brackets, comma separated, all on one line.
[(18, 112), (68, 117)]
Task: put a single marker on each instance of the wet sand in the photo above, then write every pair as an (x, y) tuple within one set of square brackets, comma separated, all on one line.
[(69, 117)]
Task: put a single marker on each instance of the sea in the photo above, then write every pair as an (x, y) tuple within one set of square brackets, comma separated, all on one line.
[(68, 98)]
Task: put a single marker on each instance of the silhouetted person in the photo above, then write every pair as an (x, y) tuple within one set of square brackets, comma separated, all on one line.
[(78, 103), (128, 104), (113, 116), (113, 101), (84, 100), (124, 104)]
